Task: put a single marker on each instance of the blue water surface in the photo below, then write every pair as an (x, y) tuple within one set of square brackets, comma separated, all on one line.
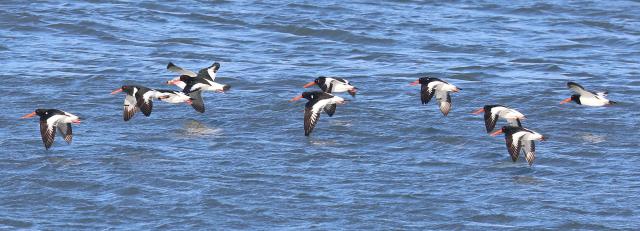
[(382, 162)]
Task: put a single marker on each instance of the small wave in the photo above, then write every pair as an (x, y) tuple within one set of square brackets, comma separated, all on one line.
[(15, 223), (86, 28), (329, 34), (216, 19), (605, 40), (535, 9)]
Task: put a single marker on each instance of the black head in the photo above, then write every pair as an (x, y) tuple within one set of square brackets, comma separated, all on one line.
[(575, 98), (424, 80), (128, 89), (508, 130), (489, 107), (311, 95), (320, 80), (226, 87), (41, 112), (215, 67)]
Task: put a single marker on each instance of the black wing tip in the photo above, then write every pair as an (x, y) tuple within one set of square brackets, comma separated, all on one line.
[(47, 144), (170, 65), (514, 158), (127, 115), (571, 84), (146, 109), (198, 108), (226, 87)]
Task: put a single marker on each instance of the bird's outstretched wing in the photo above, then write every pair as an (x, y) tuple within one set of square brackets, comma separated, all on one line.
[(579, 89), (48, 133), (173, 68), (196, 101), (65, 130), (330, 109), (444, 98), (529, 151), (310, 119)]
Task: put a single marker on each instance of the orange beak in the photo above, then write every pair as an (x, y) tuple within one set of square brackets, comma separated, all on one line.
[(32, 114), (296, 98), (565, 100), (481, 110), (415, 83), (189, 102), (309, 84), (496, 133), (116, 91)]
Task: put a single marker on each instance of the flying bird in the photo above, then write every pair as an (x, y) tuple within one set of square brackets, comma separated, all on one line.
[(494, 112), (171, 96), (318, 102), (137, 98), (439, 88), (203, 80), (50, 119), (333, 85), (193, 88), (518, 138), (588, 98)]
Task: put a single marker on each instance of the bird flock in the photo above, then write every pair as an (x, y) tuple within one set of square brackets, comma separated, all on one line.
[(139, 98)]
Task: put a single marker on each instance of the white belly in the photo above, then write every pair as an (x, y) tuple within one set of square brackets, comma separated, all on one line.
[(341, 88), (593, 101)]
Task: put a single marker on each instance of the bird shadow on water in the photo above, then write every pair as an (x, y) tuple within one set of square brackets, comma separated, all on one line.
[(55, 162), (519, 174), (592, 138), (527, 179), (321, 142), (194, 128)]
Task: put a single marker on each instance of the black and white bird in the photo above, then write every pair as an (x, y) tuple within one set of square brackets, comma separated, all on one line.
[(193, 88), (318, 102), (193, 98), (518, 138), (439, 88), (204, 80), (171, 96), (50, 119), (333, 85), (494, 112), (137, 98), (588, 98)]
